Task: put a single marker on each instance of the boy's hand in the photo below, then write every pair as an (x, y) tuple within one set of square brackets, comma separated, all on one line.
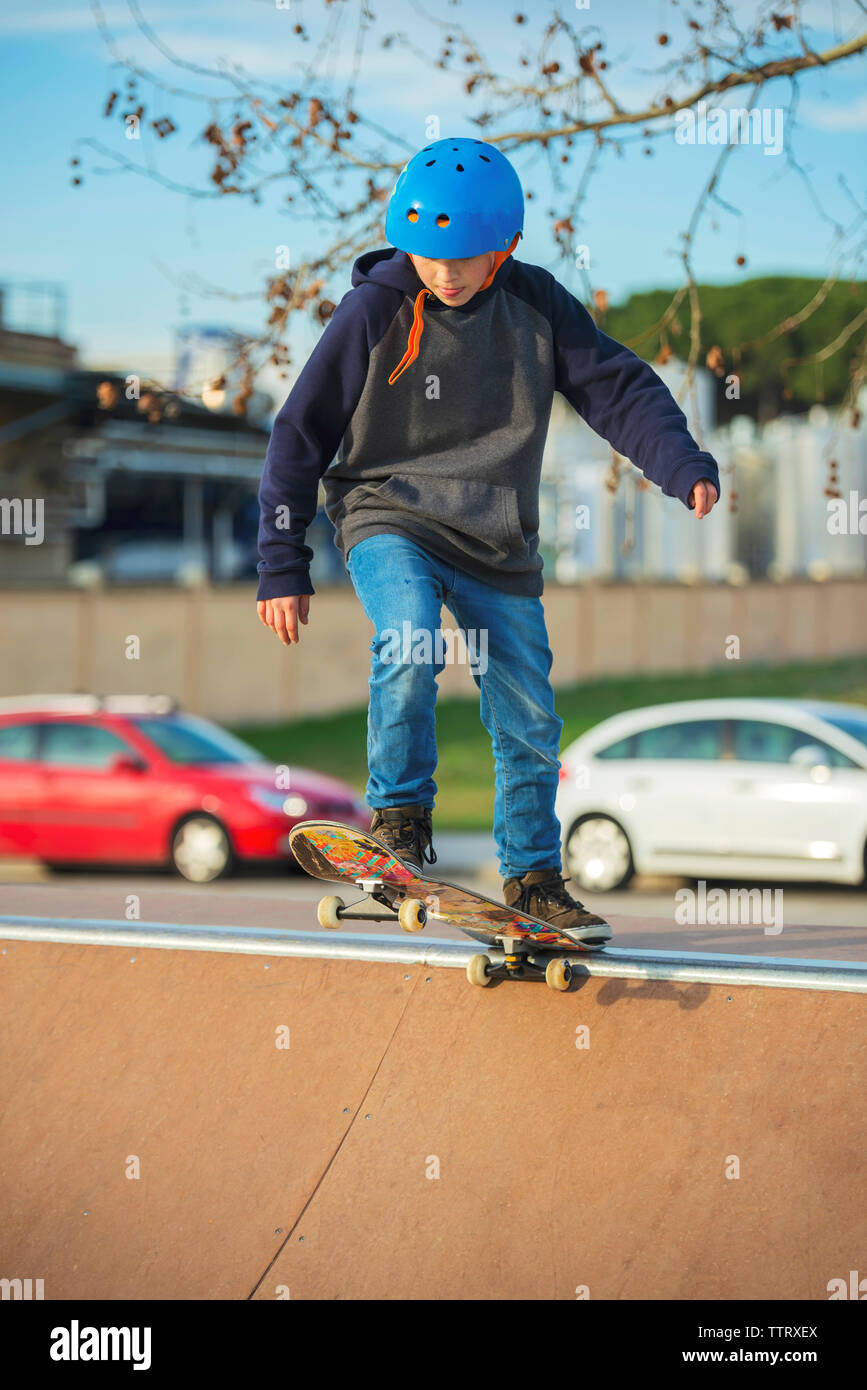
[(703, 496), (282, 615)]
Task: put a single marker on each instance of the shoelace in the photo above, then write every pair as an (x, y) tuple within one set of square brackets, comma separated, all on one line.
[(423, 834), (551, 889), (412, 834)]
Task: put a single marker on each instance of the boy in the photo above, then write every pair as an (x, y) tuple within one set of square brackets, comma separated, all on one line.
[(435, 493)]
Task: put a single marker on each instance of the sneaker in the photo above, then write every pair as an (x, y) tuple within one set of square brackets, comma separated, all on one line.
[(407, 831), (543, 893)]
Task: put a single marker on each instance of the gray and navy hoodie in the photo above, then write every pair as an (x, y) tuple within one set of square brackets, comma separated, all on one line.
[(437, 416)]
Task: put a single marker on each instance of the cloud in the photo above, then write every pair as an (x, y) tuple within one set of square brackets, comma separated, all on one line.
[(264, 48), (829, 116)]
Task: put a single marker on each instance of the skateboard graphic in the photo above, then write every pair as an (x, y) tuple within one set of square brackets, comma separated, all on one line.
[(396, 891)]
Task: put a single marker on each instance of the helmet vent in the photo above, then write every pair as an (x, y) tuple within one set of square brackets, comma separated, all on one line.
[(429, 163), (412, 215), (442, 220), (484, 157), (460, 168)]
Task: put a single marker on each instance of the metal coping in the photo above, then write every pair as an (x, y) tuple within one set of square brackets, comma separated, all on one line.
[(687, 967)]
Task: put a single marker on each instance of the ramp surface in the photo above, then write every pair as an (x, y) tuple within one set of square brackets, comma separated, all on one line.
[(420, 1138)]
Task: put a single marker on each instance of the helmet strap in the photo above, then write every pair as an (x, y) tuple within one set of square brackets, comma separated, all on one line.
[(499, 257)]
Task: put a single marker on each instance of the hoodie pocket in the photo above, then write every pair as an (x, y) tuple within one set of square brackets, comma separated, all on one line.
[(478, 517)]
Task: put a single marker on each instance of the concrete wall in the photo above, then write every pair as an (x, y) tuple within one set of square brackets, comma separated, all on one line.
[(208, 649)]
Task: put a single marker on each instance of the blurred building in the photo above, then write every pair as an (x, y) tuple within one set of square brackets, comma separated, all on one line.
[(810, 458), (598, 518), (599, 521), (131, 486), (206, 369)]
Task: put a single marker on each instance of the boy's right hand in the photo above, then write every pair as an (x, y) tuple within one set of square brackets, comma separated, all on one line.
[(282, 614)]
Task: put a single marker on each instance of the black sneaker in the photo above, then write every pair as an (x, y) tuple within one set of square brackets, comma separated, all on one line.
[(407, 830)]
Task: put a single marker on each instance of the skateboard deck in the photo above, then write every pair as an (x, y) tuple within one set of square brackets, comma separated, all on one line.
[(340, 853)]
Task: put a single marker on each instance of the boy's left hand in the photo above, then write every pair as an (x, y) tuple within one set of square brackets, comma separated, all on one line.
[(703, 496)]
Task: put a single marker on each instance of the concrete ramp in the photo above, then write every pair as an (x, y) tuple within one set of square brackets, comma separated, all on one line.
[(419, 1138)]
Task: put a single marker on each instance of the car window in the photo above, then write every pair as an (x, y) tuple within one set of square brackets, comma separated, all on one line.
[(692, 738), (852, 724), (623, 748), (81, 745), (760, 741), (187, 740), (18, 742)]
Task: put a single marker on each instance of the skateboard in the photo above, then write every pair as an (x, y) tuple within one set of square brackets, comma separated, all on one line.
[(396, 891)]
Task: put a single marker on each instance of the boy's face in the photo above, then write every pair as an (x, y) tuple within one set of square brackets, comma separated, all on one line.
[(466, 275)]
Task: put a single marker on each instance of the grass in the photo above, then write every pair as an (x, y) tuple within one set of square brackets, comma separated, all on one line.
[(336, 743)]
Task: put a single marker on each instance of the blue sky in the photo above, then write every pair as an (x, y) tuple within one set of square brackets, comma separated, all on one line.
[(121, 241)]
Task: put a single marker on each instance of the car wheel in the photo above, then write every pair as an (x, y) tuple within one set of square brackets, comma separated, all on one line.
[(598, 854), (201, 850)]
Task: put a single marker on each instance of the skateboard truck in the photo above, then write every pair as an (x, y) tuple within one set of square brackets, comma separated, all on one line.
[(519, 960), (369, 885), (376, 907)]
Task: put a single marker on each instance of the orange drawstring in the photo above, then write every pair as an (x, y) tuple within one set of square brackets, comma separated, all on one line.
[(414, 337), (418, 313)]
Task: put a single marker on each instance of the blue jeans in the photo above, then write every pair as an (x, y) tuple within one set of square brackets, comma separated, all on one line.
[(402, 588)]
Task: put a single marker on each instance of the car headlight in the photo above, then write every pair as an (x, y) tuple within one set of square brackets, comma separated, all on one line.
[(274, 800)]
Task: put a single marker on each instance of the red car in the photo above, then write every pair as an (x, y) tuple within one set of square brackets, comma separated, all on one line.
[(134, 780)]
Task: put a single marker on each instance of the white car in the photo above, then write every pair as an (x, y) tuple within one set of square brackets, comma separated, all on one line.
[(747, 788)]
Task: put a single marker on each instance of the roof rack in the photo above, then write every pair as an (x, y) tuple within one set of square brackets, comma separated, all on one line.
[(88, 704)]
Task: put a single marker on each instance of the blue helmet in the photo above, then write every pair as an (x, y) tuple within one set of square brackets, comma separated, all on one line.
[(455, 198)]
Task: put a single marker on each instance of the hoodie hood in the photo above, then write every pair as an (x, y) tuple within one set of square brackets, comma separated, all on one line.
[(395, 269)]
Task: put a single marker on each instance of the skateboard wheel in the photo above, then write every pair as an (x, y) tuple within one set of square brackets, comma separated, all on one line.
[(412, 914), (558, 973), (477, 970), (328, 912)]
